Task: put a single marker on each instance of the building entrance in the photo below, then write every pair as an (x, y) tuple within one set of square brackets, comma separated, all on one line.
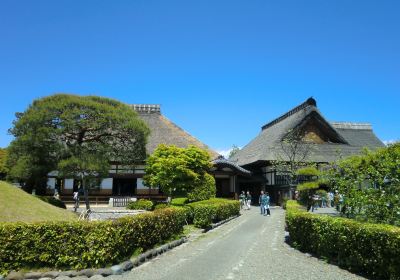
[(124, 186)]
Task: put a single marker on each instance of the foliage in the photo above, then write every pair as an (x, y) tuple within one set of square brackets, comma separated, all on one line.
[(306, 192), (213, 210), (177, 171), (204, 190), (81, 245), (188, 213), (3, 160), (179, 201), (161, 206), (321, 193), (141, 204), (234, 150), (371, 249), (308, 171), (370, 185), (17, 205), (308, 186), (53, 201), (76, 135)]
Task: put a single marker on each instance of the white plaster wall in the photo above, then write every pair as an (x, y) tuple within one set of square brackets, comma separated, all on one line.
[(69, 184), (51, 183), (140, 185), (106, 184)]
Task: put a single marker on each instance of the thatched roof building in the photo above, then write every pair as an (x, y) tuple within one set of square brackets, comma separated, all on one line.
[(164, 131), (330, 139), (324, 142)]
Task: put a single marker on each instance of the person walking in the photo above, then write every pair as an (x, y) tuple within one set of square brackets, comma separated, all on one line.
[(267, 204), (262, 201), (242, 199), (75, 196), (248, 199)]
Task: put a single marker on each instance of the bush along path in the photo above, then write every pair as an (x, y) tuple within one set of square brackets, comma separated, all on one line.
[(104, 272), (87, 246), (81, 245), (371, 249)]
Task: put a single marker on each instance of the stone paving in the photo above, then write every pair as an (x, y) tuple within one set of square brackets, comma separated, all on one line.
[(249, 247), (101, 213)]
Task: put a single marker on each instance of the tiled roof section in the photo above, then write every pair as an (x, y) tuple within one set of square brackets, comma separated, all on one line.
[(222, 162), (164, 131), (267, 145)]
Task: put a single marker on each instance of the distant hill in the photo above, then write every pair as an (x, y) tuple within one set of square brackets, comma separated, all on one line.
[(17, 205)]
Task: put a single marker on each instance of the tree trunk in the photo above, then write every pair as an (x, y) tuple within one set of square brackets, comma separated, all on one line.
[(86, 194)]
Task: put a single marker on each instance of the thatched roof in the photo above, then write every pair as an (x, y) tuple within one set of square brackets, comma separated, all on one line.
[(164, 131), (339, 138)]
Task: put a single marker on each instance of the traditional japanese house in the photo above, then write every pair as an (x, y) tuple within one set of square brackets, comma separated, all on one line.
[(325, 140), (127, 180)]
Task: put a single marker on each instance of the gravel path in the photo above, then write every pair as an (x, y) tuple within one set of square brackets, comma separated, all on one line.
[(249, 247)]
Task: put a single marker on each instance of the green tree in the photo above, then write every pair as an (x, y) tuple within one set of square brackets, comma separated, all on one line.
[(234, 150), (3, 160), (370, 185), (294, 153), (180, 171), (76, 135), (308, 189)]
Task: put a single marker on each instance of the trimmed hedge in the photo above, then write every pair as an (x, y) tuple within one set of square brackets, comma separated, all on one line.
[(179, 201), (213, 210), (161, 206), (371, 249), (141, 204), (53, 201), (81, 245), (203, 190)]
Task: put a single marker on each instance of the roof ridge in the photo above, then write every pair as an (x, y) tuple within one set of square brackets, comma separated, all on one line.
[(309, 102), (352, 125), (146, 108)]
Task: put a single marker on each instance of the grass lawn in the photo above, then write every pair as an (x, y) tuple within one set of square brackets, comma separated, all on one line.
[(17, 205)]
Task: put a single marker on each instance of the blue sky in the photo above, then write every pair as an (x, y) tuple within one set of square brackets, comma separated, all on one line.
[(220, 69)]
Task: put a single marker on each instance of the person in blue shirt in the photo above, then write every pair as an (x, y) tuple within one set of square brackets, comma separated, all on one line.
[(264, 201)]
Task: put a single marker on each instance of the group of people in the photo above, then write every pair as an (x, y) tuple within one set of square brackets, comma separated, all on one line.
[(263, 200), (326, 200), (245, 200)]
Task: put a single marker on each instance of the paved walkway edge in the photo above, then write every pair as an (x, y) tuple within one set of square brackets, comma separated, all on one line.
[(114, 270), (213, 226)]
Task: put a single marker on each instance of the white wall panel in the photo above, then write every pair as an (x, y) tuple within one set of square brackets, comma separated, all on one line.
[(51, 183), (106, 184), (69, 184)]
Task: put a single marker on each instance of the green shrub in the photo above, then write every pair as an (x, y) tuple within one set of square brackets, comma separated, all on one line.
[(187, 211), (52, 201), (179, 201), (371, 249), (161, 206), (141, 204), (78, 245), (213, 210), (308, 171), (204, 190)]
